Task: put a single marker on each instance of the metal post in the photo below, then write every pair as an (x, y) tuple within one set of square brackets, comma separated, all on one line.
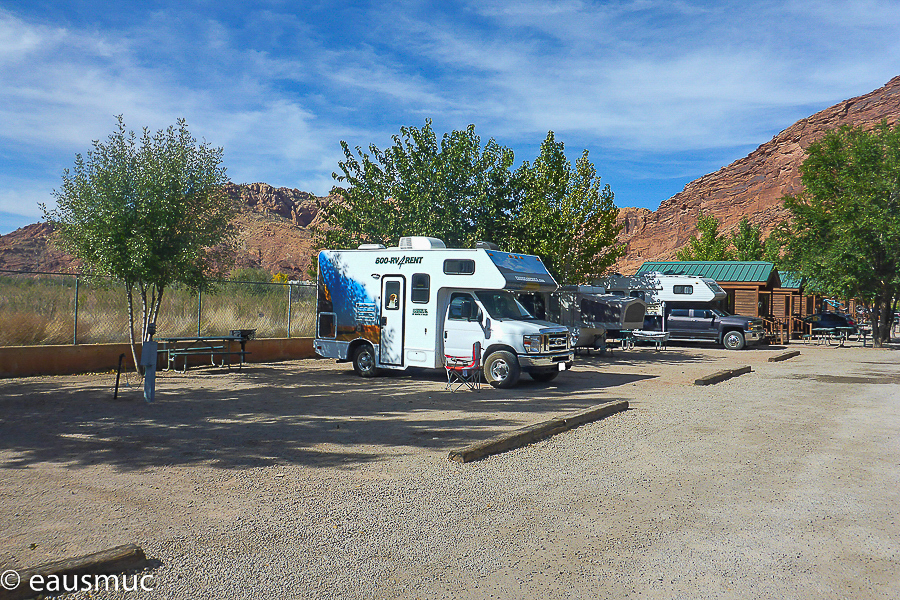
[(75, 327), (290, 291), (199, 309)]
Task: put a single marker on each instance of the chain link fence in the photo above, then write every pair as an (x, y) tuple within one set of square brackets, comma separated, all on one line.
[(55, 308)]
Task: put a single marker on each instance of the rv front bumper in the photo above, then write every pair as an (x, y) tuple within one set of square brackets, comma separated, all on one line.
[(527, 361)]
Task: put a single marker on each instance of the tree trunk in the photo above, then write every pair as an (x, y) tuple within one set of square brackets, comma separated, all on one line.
[(130, 288), (881, 319)]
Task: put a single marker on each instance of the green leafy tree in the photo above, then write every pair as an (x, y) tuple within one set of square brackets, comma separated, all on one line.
[(455, 190), (845, 226), (709, 244), (747, 241), (147, 211), (452, 189), (773, 247), (566, 216)]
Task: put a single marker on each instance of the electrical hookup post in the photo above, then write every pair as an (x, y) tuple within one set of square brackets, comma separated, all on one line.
[(148, 361)]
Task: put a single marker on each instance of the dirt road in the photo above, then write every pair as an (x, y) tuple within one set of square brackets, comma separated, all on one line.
[(300, 480)]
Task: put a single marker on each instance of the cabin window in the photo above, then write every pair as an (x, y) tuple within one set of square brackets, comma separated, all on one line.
[(459, 266), (421, 288), (684, 289), (392, 294)]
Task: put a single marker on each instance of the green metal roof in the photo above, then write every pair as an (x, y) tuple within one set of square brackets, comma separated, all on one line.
[(725, 270), (789, 279)]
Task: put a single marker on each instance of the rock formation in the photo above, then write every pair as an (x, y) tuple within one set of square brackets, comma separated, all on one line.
[(752, 186)]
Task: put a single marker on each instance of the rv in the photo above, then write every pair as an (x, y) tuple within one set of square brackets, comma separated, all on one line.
[(685, 307), (410, 306), (589, 310)]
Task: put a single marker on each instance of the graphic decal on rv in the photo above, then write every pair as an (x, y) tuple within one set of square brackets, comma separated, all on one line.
[(347, 299), (399, 261)]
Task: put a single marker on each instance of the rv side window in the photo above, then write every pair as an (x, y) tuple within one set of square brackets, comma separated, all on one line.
[(679, 312), (392, 292), (596, 312), (459, 266), (683, 289), (421, 288), (326, 325)]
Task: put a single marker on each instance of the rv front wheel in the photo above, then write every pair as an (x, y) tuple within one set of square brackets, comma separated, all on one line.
[(364, 361), (501, 369)]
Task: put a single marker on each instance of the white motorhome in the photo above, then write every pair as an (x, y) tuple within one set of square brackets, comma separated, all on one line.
[(409, 306)]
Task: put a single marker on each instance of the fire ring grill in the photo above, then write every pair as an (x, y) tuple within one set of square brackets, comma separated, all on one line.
[(243, 335)]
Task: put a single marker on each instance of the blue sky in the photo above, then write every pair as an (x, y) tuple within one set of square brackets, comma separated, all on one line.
[(660, 93)]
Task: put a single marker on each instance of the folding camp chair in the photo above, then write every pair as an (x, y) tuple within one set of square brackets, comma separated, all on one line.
[(464, 370)]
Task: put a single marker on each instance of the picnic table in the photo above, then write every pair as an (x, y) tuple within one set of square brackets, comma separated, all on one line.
[(657, 338), (202, 345)]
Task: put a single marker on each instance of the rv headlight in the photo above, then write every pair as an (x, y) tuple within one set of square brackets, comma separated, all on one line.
[(532, 343)]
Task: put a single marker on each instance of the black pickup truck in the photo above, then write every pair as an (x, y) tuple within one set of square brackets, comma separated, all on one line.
[(713, 325)]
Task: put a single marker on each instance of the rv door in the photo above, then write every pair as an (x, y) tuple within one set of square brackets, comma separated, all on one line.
[(393, 304), (462, 325)]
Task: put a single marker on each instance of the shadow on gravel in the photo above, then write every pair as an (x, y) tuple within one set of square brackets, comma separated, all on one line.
[(268, 415)]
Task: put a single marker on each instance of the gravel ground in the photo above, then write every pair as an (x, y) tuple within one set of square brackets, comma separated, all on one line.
[(300, 480)]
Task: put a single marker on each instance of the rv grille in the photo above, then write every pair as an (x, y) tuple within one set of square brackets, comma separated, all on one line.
[(557, 342)]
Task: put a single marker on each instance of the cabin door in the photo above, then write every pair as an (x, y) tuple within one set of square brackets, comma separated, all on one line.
[(393, 307)]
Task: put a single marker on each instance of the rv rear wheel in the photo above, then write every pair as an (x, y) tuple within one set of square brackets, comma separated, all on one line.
[(544, 375), (364, 361), (501, 369)]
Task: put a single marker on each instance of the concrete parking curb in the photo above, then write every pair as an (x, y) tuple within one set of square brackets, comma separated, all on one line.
[(106, 562), (720, 376), (538, 431), (784, 356)]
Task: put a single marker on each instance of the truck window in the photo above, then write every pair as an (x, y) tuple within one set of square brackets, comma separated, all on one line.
[(459, 266), (503, 305), (683, 289), (462, 307), (679, 312), (421, 288), (638, 294)]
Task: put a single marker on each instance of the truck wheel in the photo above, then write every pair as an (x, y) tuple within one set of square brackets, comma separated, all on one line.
[(734, 340), (501, 369), (544, 375), (364, 361)]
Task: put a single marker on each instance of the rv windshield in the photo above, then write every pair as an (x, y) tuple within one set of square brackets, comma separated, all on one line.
[(503, 305)]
